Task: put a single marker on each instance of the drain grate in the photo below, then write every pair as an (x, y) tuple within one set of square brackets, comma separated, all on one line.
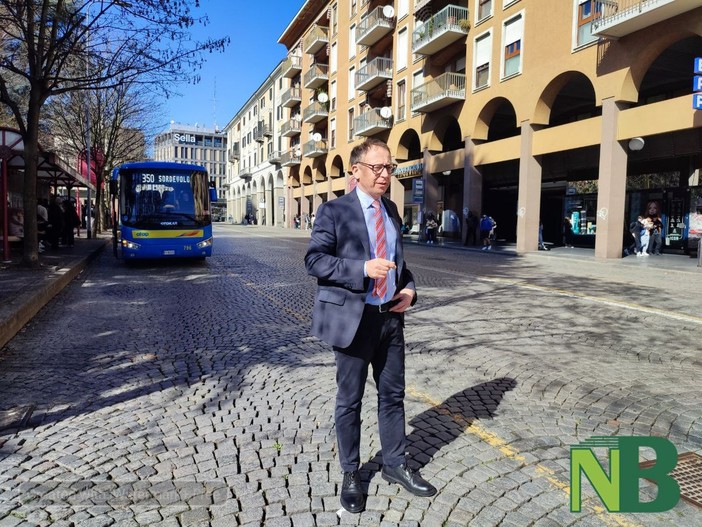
[(688, 474), (15, 417)]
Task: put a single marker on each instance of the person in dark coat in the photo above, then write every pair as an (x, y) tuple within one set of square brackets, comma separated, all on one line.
[(55, 227), (71, 220)]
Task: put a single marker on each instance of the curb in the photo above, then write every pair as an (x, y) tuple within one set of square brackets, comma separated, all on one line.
[(29, 304)]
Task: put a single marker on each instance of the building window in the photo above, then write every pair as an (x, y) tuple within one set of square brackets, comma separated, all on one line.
[(513, 34), (402, 9), (483, 52), (401, 51), (588, 11), (334, 20), (333, 58), (351, 114), (401, 100), (354, 7), (484, 9), (332, 133), (352, 41), (332, 96), (352, 83)]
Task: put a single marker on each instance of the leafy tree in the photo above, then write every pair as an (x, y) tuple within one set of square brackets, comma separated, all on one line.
[(53, 47)]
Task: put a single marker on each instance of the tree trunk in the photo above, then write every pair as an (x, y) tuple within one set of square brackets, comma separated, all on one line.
[(30, 250)]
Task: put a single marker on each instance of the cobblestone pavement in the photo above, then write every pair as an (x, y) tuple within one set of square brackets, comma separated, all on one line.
[(192, 394)]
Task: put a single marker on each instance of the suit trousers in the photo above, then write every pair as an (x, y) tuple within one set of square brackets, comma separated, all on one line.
[(379, 342)]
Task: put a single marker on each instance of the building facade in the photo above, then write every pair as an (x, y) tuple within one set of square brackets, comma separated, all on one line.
[(255, 179), (182, 143), (532, 111)]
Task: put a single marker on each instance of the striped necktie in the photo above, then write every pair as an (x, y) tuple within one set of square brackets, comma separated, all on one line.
[(381, 284)]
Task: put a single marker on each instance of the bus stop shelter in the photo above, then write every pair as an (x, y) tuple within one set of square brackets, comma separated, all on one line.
[(52, 171)]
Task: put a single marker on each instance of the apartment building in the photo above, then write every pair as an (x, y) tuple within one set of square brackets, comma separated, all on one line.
[(528, 110), (255, 179), (198, 145)]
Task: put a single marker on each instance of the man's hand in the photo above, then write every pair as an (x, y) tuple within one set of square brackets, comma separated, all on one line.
[(403, 299), (379, 267)]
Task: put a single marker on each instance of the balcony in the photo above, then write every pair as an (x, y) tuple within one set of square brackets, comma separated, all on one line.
[(316, 76), (315, 112), (292, 66), (275, 157), (445, 89), (290, 158), (444, 28), (374, 27), (315, 148), (370, 123), (234, 152), (316, 39), (245, 174), (291, 97), (291, 128), (623, 17), (421, 4), (375, 72)]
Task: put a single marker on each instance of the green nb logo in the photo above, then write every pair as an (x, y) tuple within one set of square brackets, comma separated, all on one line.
[(619, 492)]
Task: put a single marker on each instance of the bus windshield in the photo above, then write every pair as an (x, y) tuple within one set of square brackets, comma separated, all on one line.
[(164, 198)]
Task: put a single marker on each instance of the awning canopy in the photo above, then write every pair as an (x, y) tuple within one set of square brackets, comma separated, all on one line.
[(51, 167)]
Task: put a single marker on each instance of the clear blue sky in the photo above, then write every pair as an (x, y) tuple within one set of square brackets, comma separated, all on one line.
[(254, 27)]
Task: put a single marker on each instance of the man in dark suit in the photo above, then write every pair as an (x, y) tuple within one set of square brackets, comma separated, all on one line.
[(364, 287)]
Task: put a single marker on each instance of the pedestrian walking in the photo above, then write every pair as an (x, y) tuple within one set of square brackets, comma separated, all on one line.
[(363, 289), (487, 229)]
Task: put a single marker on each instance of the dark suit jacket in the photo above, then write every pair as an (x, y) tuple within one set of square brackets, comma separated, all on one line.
[(338, 248)]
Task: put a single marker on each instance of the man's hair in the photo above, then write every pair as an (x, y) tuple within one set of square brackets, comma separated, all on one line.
[(360, 151)]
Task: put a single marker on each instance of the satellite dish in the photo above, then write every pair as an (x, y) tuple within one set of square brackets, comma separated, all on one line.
[(317, 136), (388, 11), (297, 152), (323, 97), (385, 112)]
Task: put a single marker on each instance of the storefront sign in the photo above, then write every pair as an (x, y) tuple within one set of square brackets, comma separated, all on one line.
[(409, 171), (418, 191)]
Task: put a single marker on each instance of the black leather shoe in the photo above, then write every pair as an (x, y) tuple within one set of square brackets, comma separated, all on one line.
[(408, 478), (352, 498)]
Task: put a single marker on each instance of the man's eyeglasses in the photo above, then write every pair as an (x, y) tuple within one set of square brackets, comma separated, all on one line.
[(378, 169)]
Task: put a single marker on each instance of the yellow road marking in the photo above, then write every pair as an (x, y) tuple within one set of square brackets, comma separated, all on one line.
[(495, 441)]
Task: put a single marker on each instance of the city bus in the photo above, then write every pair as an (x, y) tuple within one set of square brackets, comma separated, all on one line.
[(161, 210)]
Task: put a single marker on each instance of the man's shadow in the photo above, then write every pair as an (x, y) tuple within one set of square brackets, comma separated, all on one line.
[(442, 424)]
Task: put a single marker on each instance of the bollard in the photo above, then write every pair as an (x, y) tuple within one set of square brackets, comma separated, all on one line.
[(699, 252)]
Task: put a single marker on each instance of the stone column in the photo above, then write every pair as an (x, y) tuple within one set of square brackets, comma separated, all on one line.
[(611, 194), (472, 186), (529, 199)]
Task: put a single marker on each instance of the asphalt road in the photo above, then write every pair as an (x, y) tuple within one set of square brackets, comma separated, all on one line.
[(182, 394)]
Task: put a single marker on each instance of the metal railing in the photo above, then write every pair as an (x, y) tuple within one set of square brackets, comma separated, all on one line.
[(380, 67), (315, 108), (375, 18), (294, 93), (451, 18), (316, 71), (318, 35), (451, 85), (291, 126), (315, 147), (613, 10), (370, 120)]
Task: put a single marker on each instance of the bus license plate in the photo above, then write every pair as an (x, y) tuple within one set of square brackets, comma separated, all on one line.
[(169, 253)]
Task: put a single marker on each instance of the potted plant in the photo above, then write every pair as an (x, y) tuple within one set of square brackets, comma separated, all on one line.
[(464, 24)]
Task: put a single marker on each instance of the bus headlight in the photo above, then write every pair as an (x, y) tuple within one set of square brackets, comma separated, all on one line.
[(205, 243), (130, 245)]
